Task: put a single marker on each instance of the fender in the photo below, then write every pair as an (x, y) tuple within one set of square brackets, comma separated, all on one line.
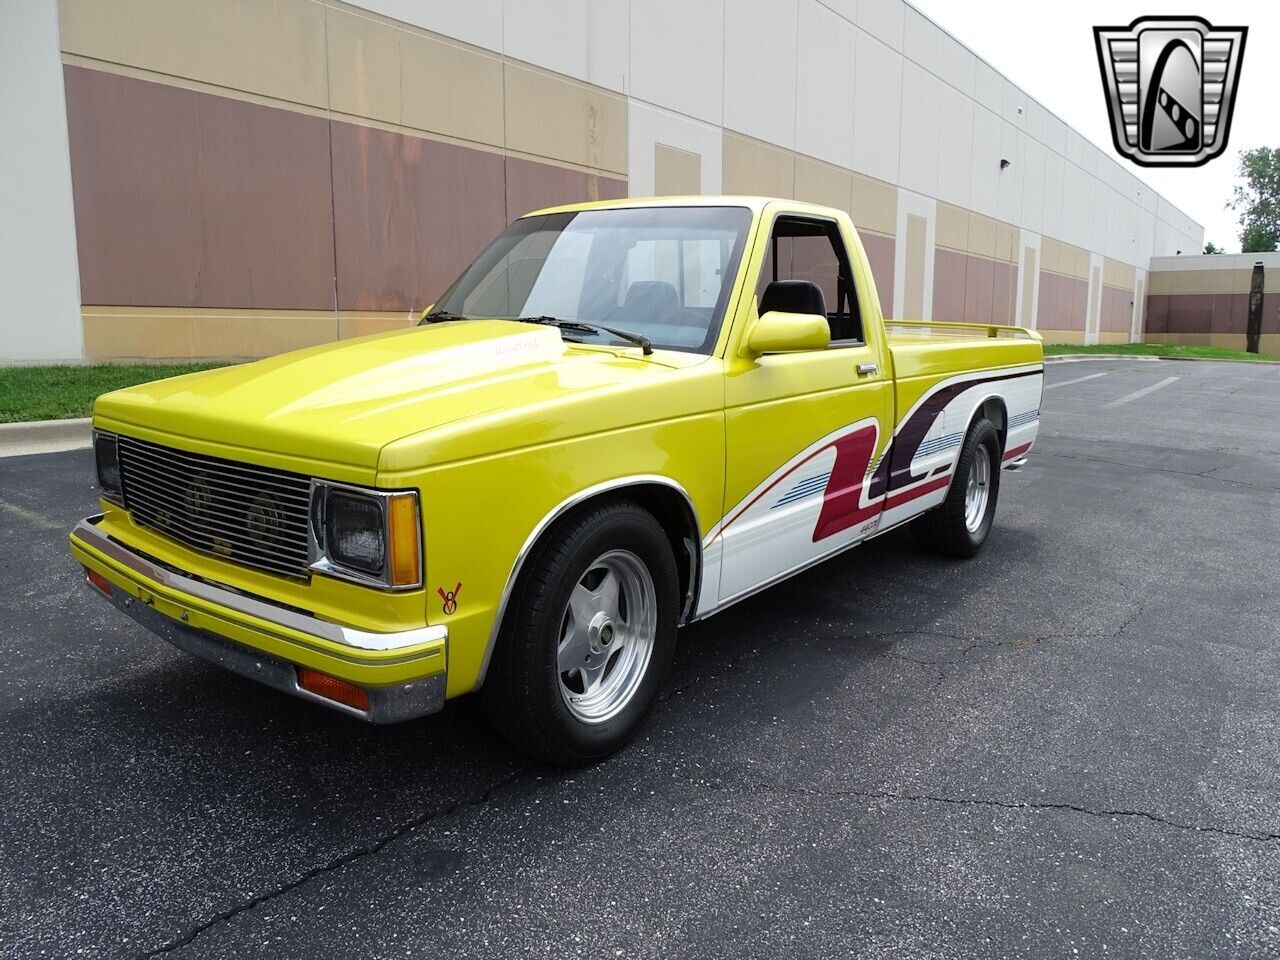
[(559, 510)]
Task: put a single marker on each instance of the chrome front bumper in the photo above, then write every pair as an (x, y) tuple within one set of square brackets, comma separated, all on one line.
[(147, 582)]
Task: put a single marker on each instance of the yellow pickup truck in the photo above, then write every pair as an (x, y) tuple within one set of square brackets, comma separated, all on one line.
[(623, 417)]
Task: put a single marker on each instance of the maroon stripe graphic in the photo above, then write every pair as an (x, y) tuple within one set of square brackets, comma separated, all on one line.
[(842, 501), (1016, 451)]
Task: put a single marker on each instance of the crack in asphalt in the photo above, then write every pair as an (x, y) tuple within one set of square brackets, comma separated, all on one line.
[(1026, 805), (337, 863), (1207, 475), (973, 643)]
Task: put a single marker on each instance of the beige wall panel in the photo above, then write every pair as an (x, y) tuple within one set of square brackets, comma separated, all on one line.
[(875, 205), (275, 49), (676, 173), (951, 229), (1028, 283), (1079, 262), (1207, 281), (818, 182), (1112, 336), (1117, 274), (1092, 318), (1051, 255), (258, 336), (1074, 337), (364, 66), (451, 90), (913, 303), (1007, 237), (552, 116), (982, 235), (362, 325), (1159, 283), (752, 167), (160, 334)]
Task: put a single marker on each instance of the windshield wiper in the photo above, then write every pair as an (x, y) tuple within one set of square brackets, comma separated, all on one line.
[(584, 326), (439, 315)]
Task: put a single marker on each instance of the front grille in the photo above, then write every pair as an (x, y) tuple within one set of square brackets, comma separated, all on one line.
[(238, 512)]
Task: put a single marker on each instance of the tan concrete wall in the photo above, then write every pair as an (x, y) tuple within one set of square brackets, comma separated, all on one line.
[(250, 177)]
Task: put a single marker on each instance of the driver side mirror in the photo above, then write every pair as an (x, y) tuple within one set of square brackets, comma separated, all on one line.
[(779, 332)]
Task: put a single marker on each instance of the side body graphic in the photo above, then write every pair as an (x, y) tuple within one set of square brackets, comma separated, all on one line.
[(837, 492)]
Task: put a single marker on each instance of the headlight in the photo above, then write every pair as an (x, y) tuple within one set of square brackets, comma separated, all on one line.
[(368, 536), (107, 454), (355, 532)]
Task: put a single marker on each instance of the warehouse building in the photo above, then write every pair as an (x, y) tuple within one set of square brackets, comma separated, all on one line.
[(184, 178)]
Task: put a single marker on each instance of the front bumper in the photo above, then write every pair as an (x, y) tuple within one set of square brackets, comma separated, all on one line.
[(403, 673)]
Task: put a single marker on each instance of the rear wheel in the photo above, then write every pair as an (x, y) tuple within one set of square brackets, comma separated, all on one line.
[(960, 524), (588, 636)]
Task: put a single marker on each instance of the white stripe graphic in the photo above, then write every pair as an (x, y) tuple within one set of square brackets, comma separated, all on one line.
[(1067, 383), (1140, 393)]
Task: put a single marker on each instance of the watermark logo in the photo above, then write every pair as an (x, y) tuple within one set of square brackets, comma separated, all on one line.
[(1171, 86)]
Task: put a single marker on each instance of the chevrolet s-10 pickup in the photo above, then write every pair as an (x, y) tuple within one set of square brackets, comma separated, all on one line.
[(623, 417)]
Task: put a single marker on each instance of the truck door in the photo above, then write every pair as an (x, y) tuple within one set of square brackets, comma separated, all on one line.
[(804, 431)]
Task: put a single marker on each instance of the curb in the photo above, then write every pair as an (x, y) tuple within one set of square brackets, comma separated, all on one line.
[(1075, 357), (45, 436)]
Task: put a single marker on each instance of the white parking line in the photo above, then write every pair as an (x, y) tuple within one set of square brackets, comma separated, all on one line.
[(1067, 383), (1140, 393)]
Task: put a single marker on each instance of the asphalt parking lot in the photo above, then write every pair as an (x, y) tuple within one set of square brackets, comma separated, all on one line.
[(1069, 746)]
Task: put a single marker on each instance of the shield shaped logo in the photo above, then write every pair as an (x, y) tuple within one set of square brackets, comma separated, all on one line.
[(1171, 86)]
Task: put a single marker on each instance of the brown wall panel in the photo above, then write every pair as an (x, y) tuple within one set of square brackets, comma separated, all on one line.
[(1117, 309), (532, 186), (409, 215), (1047, 303), (949, 268), (1062, 302), (1191, 313), (1004, 288), (1209, 313), (1270, 313), (881, 251), (979, 276), (1224, 315), (1157, 320), (188, 199)]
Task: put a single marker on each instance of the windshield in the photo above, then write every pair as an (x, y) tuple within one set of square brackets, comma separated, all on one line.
[(662, 272)]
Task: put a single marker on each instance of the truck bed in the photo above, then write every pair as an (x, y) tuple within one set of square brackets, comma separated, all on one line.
[(932, 348)]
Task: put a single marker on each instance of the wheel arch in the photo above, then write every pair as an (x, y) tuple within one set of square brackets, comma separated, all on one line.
[(993, 407), (670, 504)]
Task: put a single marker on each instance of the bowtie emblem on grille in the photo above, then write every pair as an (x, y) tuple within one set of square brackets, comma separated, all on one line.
[(1170, 84)]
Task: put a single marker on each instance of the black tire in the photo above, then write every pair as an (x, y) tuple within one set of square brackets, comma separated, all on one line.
[(944, 529), (522, 690)]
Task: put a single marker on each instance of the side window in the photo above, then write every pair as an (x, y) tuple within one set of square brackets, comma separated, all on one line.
[(812, 250)]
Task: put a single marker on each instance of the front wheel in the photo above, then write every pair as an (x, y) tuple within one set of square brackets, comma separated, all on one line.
[(960, 524), (588, 636)]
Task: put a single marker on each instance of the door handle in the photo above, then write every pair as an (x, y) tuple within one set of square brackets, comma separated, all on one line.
[(867, 369)]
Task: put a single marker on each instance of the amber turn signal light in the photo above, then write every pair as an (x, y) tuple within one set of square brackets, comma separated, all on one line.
[(406, 540), (98, 581), (331, 688)]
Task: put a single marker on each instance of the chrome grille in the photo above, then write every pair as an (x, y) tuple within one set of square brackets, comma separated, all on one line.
[(248, 515)]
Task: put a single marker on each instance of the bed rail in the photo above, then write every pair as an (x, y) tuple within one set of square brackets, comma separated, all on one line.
[(957, 329)]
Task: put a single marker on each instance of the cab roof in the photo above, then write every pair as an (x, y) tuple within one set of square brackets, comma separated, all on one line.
[(754, 204)]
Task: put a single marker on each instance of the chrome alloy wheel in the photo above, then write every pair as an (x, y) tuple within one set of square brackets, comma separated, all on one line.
[(978, 491), (607, 636)]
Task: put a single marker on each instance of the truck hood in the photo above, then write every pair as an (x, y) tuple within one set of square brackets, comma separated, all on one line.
[(341, 403)]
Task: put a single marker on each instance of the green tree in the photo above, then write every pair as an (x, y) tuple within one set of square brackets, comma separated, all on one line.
[(1257, 200), (1211, 247)]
